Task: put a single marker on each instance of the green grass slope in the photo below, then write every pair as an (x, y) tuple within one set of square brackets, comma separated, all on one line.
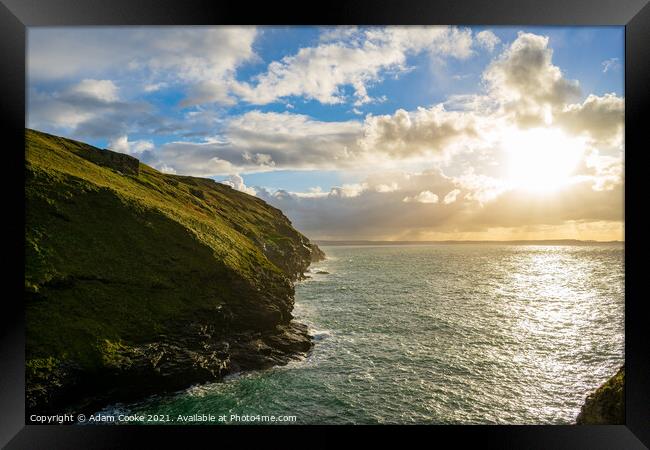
[(118, 254)]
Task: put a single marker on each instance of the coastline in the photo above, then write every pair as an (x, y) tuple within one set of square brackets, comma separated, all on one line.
[(148, 282)]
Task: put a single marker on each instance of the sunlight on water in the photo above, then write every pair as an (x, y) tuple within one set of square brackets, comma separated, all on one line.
[(489, 334)]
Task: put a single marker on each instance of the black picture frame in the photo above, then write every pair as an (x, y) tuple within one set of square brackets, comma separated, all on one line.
[(17, 15)]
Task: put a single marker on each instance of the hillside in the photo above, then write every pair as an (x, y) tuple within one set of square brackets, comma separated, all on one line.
[(138, 281)]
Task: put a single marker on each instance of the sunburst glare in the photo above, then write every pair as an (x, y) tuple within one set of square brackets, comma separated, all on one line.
[(541, 160)]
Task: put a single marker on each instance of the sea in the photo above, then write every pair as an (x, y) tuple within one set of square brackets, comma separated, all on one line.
[(433, 334)]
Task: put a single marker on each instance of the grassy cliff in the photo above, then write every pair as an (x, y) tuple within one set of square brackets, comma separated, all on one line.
[(134, 274)]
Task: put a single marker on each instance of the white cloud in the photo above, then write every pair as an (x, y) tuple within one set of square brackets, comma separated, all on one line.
[(347, 190), (314, 192), (135, 148), (339, 33), (262, 141), (201, 159), (386, 187), (369, 213), (601, 117), (102, 90), (89, 108), (470, 125), (480, 187), (426, 130), (208, 91), (349, 57), (235, 181), (487, 39), (610, 64), (422, 197), (47, 110), (534, 91), (154, 87), (525, 81), (258, 141), (451, 197), (203, 59), (604, 171), (167, 169), (73, 105)]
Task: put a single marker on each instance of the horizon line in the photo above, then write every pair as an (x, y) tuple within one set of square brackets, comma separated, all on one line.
[(460, 241)]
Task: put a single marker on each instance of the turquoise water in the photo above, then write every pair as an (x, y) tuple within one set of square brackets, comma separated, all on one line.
[(440, 334)]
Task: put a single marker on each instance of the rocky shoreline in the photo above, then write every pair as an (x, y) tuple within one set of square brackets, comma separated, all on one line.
[(191, 353), (166, 366)]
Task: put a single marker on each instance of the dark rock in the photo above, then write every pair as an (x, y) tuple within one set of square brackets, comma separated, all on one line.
[(168, 364), (316, 253), (605, 406)]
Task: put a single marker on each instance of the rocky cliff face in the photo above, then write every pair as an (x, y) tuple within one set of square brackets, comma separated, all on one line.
[(139, 282), (605, 406)]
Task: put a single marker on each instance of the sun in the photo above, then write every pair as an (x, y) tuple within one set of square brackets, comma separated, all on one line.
[(541, 160)]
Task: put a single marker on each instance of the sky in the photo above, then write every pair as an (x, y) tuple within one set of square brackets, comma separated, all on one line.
[(382, 133)]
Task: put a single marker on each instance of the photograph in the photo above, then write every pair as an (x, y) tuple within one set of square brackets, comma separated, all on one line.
[(342, 225), (368, 219)]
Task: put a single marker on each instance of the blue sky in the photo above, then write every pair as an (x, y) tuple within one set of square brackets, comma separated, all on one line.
[(307, 114)]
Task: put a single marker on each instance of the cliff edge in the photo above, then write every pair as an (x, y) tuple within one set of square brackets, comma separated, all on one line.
[(139, 282)]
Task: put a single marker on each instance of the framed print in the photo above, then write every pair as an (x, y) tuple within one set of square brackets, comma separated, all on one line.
[(376, 217)]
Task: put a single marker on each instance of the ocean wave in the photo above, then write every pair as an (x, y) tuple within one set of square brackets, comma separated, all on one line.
[(319, 335)]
